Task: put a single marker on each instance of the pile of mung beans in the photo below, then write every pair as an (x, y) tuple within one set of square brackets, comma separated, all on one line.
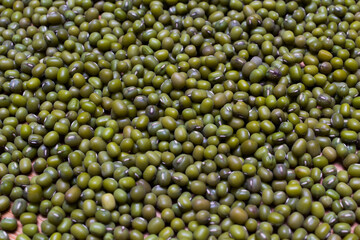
[(177, 119)]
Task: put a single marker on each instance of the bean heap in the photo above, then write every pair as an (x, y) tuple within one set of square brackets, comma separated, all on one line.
[(176, 119)]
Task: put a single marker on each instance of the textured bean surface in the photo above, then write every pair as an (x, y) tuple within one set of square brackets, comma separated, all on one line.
[(171, 119)]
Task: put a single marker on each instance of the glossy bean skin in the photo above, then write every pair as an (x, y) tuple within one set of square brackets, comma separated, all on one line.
[(141, 119)]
